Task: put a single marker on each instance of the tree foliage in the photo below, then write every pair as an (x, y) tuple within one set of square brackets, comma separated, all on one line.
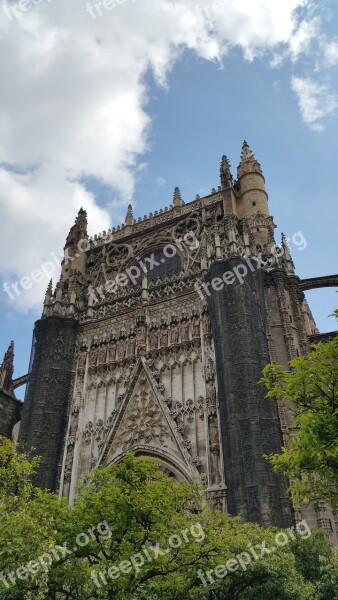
[(310, 391), (135, 534)]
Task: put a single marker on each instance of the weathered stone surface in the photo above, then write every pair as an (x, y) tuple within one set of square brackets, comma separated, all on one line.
[(10, 413), (249, 424), (45, 411)]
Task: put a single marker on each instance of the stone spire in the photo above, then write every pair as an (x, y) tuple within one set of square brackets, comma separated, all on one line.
[(49, 292), (48, 297), (177, 199), (7, 369), (287, 255), (248, 163), (79, 229), (225, 173), (129, 215)]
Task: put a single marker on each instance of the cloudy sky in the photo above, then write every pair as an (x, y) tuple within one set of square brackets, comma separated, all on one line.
[(99, 108)]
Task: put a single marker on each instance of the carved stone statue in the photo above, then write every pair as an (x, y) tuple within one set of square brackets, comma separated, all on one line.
[(82, 360), (131, 347), (214, 450), (206, 326), (196, 332), (74, 425), (211, 398), (141, 336), (164, 339), (93, 358), (213, 431), (174, 335), (99, 429), (184, 330), (102, 355), (112, 353), (209, 370), (121, 350), (69, 463), (153, 339)]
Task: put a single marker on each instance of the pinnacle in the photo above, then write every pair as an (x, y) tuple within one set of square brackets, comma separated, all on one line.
[(248, 162), (177, 198), (225, 172), (9, 354), (79, 229), (129, 215), (225, 161), (247, 153), (50, 288)]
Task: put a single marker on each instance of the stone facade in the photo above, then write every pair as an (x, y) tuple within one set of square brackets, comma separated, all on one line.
[(10, 406), (153, 342)]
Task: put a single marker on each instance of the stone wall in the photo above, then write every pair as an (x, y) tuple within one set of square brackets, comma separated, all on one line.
[(10, 413)]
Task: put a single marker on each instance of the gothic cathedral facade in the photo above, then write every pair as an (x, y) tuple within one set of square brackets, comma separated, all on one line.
[(153, 342)]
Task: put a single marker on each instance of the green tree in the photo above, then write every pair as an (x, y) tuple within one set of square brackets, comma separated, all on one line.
[(135, 534), (310, 391)]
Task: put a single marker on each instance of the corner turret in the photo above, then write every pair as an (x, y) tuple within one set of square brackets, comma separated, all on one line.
[(251, 185)]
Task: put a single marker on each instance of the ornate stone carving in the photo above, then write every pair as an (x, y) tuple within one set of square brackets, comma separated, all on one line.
[(206, 326), (196, 331), (164, 338), (82, 360), (211, 400), (153, 341), (93, 358), (184, 331), (141, 336), (120, 350), (102, 355), (69, 464), (174, 335), (74, 424), (88, 432), (131, 345), (143, 423), (112, 353)]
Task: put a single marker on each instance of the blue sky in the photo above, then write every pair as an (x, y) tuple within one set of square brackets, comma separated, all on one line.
[(160, 112)]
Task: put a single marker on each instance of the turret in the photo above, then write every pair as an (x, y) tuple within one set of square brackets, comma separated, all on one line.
[(251, 185)]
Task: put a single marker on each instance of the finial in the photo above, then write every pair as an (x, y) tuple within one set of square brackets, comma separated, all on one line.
[(177, 201), (129, 215), (248, 163)]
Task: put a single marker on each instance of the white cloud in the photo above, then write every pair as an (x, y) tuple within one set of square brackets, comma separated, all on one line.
[(331, 53), (315, 101), (74, 103), (300, 42)]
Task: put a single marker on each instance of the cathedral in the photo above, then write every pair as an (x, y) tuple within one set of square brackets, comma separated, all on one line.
[(153, 342)]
